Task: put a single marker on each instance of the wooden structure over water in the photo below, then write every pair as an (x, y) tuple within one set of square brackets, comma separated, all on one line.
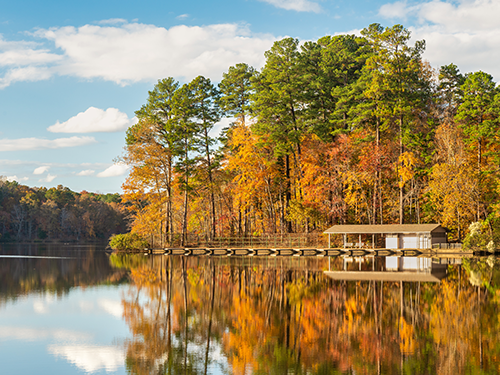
[(316, 252), (396, 236)]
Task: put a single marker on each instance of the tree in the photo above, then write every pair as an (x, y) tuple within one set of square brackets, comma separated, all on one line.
[(278, 104), (205, 112), (236, 89), (151, 147), (397, 82), (478, 120)]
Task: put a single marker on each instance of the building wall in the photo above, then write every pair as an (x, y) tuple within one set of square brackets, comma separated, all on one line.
[(413, 241)]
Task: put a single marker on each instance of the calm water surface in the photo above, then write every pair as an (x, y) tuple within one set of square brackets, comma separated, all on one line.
[(76, 310)]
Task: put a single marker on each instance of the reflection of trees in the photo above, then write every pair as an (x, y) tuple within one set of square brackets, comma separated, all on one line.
[(269, 316), (77, 266)]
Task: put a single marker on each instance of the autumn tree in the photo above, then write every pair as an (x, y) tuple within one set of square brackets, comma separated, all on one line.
[(478, 121), (397, 80), (278, 105)]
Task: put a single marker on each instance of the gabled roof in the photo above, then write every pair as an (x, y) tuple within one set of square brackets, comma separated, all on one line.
[(434, 277), (385, 229)]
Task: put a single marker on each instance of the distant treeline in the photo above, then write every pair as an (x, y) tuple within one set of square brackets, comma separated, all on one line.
[(58, 213), (346, 129)]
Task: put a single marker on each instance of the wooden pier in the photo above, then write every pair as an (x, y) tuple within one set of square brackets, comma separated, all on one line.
[(309, 252)]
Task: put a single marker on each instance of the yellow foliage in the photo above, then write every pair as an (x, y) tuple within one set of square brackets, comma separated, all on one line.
[(407, 162), (406, 337)]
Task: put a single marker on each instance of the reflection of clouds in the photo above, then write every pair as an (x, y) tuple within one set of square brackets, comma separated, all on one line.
[(40, 307), (86, 306), (114, 308), (31, 334), (90, 358)]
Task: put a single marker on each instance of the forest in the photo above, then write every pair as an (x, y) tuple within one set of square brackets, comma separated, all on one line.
[(346, 129), (57, 213)]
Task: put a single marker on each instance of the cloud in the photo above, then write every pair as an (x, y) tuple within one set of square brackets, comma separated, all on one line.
[(24, 144), (90, 358), (25, 61), (21, 53), (399, 9), (122, 52), (49, 178), (41, 170), (94, 120), (297, 5), (117, 169), (219, 126), (131, 52), (112, 21), (14, 178), (182, 16), (86, 172), (464, 32)]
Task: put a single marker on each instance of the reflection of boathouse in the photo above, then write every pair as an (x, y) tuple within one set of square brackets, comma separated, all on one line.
[(397, 236), (391, 269)]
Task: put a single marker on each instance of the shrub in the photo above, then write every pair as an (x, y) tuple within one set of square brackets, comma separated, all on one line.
[(479, 238), (128, 241)]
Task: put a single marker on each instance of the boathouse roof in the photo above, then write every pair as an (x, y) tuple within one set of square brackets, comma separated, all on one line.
[(385, 229), (434, 277)]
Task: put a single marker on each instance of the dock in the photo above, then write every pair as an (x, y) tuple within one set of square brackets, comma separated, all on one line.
[(310, 252)]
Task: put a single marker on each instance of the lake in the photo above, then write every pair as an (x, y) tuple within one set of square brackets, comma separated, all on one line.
[(67, 309)]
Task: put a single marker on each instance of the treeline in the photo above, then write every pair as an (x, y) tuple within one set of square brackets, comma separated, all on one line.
[(347, 129), (58, 213)]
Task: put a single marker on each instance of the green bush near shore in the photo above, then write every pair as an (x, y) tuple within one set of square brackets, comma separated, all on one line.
[(128, 241)]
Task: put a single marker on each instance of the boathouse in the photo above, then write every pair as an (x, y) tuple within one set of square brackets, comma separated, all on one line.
[(390, 236)]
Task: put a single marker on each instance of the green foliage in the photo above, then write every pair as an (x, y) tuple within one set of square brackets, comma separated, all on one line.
[(479, 237), (343, 129), (128, 241), (127, 261)]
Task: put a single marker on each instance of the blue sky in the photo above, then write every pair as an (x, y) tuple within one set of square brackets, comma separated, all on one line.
[(73, 73)]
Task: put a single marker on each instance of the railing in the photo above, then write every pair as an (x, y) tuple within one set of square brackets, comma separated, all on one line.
[(446, 245), (293, 240)]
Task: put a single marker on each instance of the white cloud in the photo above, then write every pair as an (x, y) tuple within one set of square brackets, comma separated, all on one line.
[(117, 169), (218, 127), (24, 144), (131, 53), (464, 32), (41, 170), (182, 16), (23, 74), (86, 172), (112, 21), (399, 9), (297, 5), (24, 53), (15, 178), (48, 178), (122, 52), (25, 61), (94, 120), (91, 358)]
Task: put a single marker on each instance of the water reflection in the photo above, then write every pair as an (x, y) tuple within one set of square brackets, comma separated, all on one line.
[(60, 311), (70, 308), (414, 269), (285, 315)]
